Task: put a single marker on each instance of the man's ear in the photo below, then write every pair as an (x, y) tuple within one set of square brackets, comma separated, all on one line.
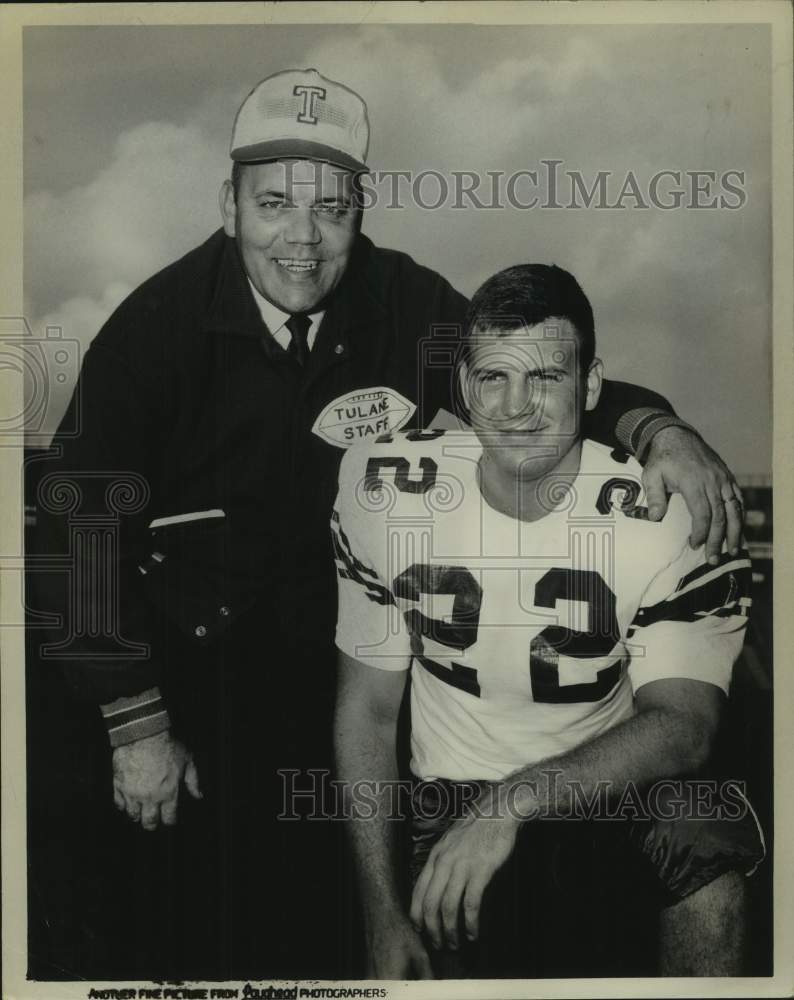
[(228, 205), (595, 376)]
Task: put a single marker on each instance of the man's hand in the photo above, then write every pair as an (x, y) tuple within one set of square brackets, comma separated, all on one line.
[(458, 869), (395, 951), (681, 462), (146, 779)]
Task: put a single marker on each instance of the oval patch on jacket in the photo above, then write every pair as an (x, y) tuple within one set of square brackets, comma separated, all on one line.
[(363, 416)]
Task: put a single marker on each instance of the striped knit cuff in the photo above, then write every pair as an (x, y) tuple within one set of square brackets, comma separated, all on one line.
[(134, 718), (636, 428)]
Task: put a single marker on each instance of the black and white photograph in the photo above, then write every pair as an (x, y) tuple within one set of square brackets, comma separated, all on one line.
[(392, 400)]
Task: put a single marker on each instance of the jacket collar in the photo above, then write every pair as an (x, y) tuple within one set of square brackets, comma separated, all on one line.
[(232, 309), (358, 307)]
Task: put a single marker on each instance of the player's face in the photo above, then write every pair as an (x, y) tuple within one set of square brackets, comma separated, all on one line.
[(295, 224), (526, 395)]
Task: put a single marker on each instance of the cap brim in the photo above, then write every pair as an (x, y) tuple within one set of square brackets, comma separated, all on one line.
[(301, 149)]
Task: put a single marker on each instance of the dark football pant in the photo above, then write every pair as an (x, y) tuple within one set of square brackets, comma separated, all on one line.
[(581, 897)]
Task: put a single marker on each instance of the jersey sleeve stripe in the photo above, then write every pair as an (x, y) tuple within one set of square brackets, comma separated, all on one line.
[(705, 573), (345, 543), (723, 592), (350, 568)]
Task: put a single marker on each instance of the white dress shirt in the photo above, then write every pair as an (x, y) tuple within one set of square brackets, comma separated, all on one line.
[(276, 320)]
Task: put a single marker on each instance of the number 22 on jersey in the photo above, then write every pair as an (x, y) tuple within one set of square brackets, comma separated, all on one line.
[(459, 629)]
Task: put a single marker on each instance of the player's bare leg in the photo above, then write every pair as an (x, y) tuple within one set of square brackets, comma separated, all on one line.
[(705, 934)]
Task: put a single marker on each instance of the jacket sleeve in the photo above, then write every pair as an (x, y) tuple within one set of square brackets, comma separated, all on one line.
[(93, 506), (627, 416)]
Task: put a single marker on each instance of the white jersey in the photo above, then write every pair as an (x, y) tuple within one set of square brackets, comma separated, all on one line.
[(524, 639)]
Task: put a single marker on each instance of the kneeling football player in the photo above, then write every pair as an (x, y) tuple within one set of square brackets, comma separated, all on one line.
[(569, 661)]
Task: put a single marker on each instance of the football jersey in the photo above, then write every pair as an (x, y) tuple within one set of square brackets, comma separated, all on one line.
[(525, 639)]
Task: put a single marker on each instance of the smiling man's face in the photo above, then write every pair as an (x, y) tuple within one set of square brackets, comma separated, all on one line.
[(295, 223), (526, 393)]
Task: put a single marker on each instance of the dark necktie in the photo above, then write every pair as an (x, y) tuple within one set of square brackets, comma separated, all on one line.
[(298, 326)]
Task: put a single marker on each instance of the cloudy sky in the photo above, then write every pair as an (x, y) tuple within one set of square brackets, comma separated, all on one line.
[(126, 136)]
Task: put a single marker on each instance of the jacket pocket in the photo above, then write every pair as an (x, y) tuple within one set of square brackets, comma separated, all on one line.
[(192, 576)]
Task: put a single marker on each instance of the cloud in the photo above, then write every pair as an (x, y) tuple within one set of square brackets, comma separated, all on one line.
[(155, 200), (87, 248), (420, 115)]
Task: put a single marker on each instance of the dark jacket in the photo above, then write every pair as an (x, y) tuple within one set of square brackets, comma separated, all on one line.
[(184, 395)]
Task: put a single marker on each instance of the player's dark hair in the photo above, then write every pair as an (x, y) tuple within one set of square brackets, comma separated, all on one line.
[(528, 294)]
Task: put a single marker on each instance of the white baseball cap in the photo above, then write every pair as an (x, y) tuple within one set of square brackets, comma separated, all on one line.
[(299, 113)]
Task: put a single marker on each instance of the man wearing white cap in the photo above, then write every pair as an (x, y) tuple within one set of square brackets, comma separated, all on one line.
[(230, 384)]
